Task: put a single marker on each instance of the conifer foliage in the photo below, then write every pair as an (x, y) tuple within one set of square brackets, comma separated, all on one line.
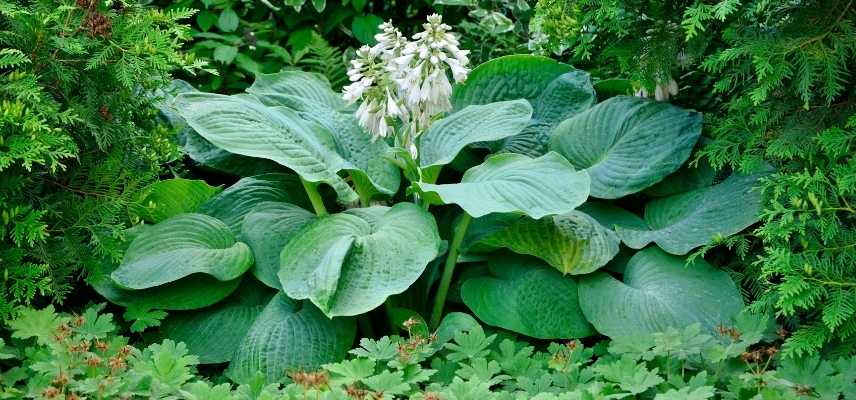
[(78, 141)]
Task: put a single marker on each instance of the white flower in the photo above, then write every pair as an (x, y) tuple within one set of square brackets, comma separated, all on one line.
[(406, 81)]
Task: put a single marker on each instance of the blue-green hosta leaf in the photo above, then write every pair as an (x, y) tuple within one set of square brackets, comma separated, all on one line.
[(308, 85), (573, 243), (214, 333), (349, 263), (627, 143), (288, 336), (367, 157), (266, 229), (684, 179), (659, 291), (196, 147), (189, 293), (611, 216), (243, 125), (234, 203), (181, 246), (682, 222), (474, 123), (171, 197), (515, 183), (556, 91), (528, 297)]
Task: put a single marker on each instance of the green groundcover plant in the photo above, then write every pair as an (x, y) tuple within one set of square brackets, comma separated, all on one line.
[(60, 356), (504, 194)]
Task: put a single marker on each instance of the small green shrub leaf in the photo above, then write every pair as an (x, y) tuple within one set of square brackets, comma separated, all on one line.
[(290, 336), (627, 143), (475, 123), (349, 263), (515, 183), (266, 230), (180, 246), (682, 222), (659, 291), (525, 296)]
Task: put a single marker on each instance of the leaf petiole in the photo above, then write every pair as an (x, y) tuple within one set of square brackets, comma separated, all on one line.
[(460, 231)]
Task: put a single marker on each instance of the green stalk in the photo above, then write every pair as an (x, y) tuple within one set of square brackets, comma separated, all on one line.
[(314, 197), (449, 269)]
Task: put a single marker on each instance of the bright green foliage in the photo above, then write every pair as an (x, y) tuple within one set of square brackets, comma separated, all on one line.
[(461, 361), (79, 144)]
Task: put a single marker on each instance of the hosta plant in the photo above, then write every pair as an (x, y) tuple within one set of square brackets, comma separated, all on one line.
[(374, 198)]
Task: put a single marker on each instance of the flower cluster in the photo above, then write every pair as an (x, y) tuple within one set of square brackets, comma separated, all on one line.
[(399, 79)]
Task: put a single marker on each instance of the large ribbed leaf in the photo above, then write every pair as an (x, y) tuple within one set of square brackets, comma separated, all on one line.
[(290, 336), (556, 91), (627, 143), (686, 178), (515, 183), (214, 333), (266, 229), (180, 246), (192, 292), (233, 204), (659, 291), (201, 150), (366, 157), (175, 196), (525, 296), (611, 216), (349, 263), (245, 126), (682, 222), (475, 123), (189, 293), (573, 243), (307, 85)]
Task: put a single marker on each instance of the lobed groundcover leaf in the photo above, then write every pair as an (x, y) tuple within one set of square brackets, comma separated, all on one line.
[(349, 263), (659, 291), (525, 296), (181, 246), (627, 144)]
